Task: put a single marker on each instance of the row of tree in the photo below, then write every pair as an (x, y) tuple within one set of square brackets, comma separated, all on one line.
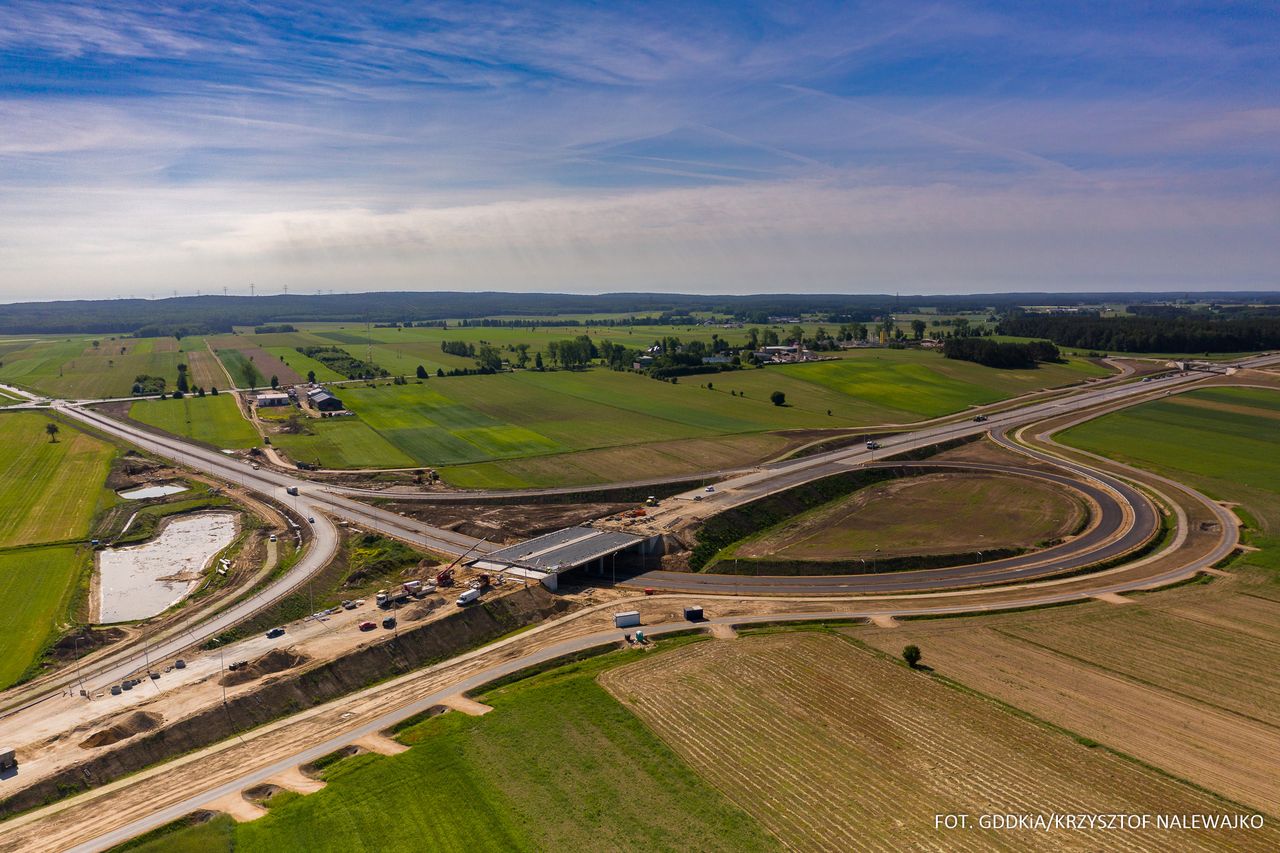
[(991, 353), (1149, 333)]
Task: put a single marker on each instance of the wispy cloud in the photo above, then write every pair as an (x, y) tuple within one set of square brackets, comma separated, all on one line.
[(671, 145)]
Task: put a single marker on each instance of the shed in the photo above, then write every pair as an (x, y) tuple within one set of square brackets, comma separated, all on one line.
[(626, 619)]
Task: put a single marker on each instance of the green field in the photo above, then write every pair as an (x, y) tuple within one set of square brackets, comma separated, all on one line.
[(1220, 440), (75, 368), (212, 420), (48, 491), (1223, 440), (558, 765), (483, 430), (36, 588)]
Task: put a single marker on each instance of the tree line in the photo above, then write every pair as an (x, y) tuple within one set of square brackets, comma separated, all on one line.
[(1191, 333), (991, 353)]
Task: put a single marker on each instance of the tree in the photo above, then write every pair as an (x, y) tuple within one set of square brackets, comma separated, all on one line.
[(311, 376), (422, 372), (778, 398), (911, 654), (213, 389), (918, 327), (439, 371), (275, 381), (52, 429), (200, 391), (182, 379), (522, 355), (488, 359), (537, 361)]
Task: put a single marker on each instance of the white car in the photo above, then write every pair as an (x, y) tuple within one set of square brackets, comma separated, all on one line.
[(709, 489)]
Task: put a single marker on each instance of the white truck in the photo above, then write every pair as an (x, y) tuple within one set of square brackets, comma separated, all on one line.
[(468, 597), (8, 759)]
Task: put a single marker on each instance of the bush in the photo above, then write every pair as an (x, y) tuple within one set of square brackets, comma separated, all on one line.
[(778, 398), (911, 654)]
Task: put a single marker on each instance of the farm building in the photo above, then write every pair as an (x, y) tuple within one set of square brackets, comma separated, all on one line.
[(323, 401), (272, 398)]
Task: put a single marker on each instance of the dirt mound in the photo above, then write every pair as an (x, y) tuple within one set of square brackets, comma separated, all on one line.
[(276, 660), (84, 640), (421, 609), (126, 727), (261, 793)]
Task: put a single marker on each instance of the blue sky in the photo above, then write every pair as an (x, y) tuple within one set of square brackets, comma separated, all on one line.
[(846, 147)]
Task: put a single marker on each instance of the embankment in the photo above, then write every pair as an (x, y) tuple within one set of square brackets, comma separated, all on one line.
[(291, 692)]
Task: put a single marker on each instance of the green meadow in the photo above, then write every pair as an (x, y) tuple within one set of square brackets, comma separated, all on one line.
[(211, 420), (485, 430), (75, 368), (49, 494), (559, 764), (1220, 440), (36, 589)]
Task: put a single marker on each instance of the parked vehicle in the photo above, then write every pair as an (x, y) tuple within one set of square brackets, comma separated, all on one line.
[(468, 597), (367, 626), (709, 489), (389, 622), (8, 758), (311, 519)]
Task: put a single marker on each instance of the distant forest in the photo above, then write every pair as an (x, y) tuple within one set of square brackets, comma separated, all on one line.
[(1154, 331), (206, 314)]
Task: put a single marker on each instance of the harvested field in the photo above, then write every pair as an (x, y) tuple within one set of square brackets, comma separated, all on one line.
[(1185, 680), (833, 747), (206, 372), (931, 514)]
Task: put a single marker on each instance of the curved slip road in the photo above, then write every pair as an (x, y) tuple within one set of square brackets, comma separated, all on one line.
[(1109, 538)]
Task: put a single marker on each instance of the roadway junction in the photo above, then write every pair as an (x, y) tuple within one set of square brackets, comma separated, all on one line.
[(1114, 555)]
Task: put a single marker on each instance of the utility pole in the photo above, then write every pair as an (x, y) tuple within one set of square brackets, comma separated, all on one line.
[(251, 293)]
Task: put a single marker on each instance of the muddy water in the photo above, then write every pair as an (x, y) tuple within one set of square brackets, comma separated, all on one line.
[(157, 491), (130, 579)]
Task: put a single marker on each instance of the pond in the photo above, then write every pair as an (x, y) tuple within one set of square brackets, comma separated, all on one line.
[(140, 581), (157, 490)]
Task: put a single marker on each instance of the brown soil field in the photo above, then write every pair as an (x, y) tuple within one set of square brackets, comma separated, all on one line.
[(831, 746), (506, 522), (931, 514), (1187, 680)]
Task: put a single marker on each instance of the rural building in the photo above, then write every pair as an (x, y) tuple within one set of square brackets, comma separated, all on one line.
[(716, 359), (323, 401), (642, 362), (272, 398)]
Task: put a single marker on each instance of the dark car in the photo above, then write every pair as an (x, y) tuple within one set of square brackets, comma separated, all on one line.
[(979, 418), (389, 622), (275, 632)]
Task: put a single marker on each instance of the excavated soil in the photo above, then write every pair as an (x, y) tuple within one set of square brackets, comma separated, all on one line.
[(276, 660), (506, 522), (128, 726)]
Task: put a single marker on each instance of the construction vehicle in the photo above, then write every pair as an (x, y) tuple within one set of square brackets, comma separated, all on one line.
[(8, 759), (387, 598), (444, 577), (651, 501)]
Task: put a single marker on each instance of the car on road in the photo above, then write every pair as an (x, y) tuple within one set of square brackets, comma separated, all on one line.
[(977, 419), (389, 622), (873, 445), (275, 632), (273, 537), (367, 626), (256, 466), (311, 519), (697, 497), (709, 489)]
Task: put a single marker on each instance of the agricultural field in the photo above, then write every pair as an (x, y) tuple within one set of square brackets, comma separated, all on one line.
[(249, 364), (1221, 440), (36, 588), (206, 370), (931, 514), (212, 420), (465, 425), (830, 746), (48, 491), (1187, 680), (557, 765), (77, 368)]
